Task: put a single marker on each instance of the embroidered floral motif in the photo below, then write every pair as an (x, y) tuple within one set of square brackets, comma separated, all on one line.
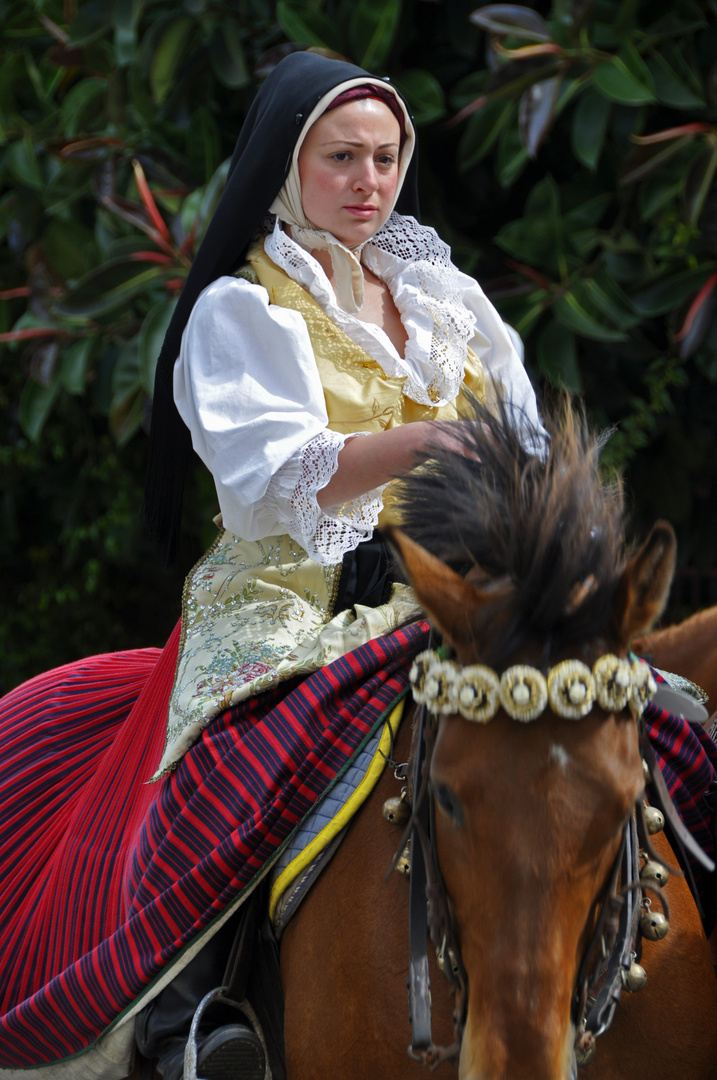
[(255, 613)]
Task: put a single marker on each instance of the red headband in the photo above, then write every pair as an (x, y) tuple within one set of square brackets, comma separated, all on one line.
[(356, 93)]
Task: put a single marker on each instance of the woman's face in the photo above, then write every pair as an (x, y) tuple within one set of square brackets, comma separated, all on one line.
[(348, 168)]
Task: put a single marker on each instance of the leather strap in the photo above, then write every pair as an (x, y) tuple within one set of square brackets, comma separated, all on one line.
[(419, 984)]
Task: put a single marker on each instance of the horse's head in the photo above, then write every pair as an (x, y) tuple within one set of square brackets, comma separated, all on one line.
[(529, 816)]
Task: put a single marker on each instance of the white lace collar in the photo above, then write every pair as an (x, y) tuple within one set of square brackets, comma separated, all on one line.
[(416, 266)]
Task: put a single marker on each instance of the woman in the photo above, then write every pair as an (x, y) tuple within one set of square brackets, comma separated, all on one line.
[(314, 355)]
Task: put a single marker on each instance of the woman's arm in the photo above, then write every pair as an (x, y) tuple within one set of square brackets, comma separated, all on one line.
[(373, 460)]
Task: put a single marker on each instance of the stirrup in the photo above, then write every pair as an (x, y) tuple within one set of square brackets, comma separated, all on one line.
[(191, 1049)]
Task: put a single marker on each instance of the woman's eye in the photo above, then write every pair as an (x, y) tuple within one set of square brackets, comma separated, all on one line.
[(387, 160), (341, 155)]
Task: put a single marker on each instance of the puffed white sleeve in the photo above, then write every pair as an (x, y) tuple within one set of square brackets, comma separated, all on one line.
[(247, 386), (500, 351)]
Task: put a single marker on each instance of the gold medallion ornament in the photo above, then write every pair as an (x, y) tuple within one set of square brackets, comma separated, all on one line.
[(613, 680), (523, 692), (477, 692), (571, 689), (643, 686)]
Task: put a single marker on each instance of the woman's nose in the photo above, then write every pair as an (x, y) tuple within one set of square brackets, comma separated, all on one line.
[(367, 179)]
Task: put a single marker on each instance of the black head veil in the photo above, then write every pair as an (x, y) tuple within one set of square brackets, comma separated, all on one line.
[(259, 167)]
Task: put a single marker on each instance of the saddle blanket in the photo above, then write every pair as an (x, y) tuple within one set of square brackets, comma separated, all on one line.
[(108, 884)]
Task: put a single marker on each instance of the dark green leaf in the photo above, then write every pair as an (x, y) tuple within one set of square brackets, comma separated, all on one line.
[(468, 89), (512, 156), (518, 22), (536, 238), (82, 105), (168, 56), (22, 162), (571, 313), (670, 291), (70, 247), (110, 287), (125, 416), (523, 312), (227, 55), (556, 356), (92, 20), (126, 13), (372, 30), (306, 26), (35, 406), (605, 298), (126, 376), (589, 127), (644, 160), (151, 337), (615, 81), (198, 208), (658, 190), (699, 183), (74, 366), (424, 95), (482, 130), (669, 88), (203, 143)]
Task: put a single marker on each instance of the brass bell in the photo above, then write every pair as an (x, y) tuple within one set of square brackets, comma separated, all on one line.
[(654, 871), (403, 864), (654, 820), (396, 810), (654, 926), (585, 1056), (646, 772), (634, 978)]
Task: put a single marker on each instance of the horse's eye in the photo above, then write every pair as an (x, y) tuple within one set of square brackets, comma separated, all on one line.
[(448, 803)]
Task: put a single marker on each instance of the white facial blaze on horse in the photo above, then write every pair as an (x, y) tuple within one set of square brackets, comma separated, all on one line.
[(529, 816)]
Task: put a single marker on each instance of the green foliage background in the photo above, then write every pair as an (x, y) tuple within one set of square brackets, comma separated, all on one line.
[(568, 154)]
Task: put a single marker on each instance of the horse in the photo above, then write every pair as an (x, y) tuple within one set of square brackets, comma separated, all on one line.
[(688, 648), (520, 563)]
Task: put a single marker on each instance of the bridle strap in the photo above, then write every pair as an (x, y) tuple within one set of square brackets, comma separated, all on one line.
[(419, 983), (615, 936)]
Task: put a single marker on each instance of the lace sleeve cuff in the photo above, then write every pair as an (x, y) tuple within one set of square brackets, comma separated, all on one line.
[(326, 534)]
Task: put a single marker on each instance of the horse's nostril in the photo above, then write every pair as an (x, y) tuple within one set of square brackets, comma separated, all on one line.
[(449, 804)]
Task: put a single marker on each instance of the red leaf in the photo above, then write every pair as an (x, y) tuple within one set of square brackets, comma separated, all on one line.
[(148, 200), (696, 128), (695, 306), (12, 294), (151, 256), (33, 332), (529, 272)]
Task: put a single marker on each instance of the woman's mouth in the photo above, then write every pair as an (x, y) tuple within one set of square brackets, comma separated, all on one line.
[(362, 211)]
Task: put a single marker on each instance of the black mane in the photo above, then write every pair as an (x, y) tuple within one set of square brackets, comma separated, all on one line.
[(546, 523)]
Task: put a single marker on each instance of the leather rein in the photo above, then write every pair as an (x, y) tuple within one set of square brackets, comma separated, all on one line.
[(616, 938)]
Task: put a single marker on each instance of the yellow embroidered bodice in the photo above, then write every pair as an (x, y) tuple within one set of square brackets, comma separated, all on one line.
[(257, 612)]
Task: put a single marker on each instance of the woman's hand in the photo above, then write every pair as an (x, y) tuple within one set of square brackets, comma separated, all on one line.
[(372, 460)]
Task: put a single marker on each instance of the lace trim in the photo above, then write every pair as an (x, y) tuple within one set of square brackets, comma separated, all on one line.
[(327, 536), (435, 358), (439, 294)]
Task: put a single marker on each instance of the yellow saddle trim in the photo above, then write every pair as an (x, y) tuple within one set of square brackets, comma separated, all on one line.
[(347, 811)]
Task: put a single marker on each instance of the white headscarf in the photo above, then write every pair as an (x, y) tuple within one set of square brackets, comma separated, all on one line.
[(346, 262)]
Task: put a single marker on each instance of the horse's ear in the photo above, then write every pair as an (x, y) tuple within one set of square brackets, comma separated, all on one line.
[(645, 584), (449, 601)]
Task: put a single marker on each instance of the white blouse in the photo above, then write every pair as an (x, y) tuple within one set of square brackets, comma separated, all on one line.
[(247, 386)]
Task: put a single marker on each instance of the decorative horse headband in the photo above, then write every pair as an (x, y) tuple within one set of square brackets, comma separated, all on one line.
[(477, 692)]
